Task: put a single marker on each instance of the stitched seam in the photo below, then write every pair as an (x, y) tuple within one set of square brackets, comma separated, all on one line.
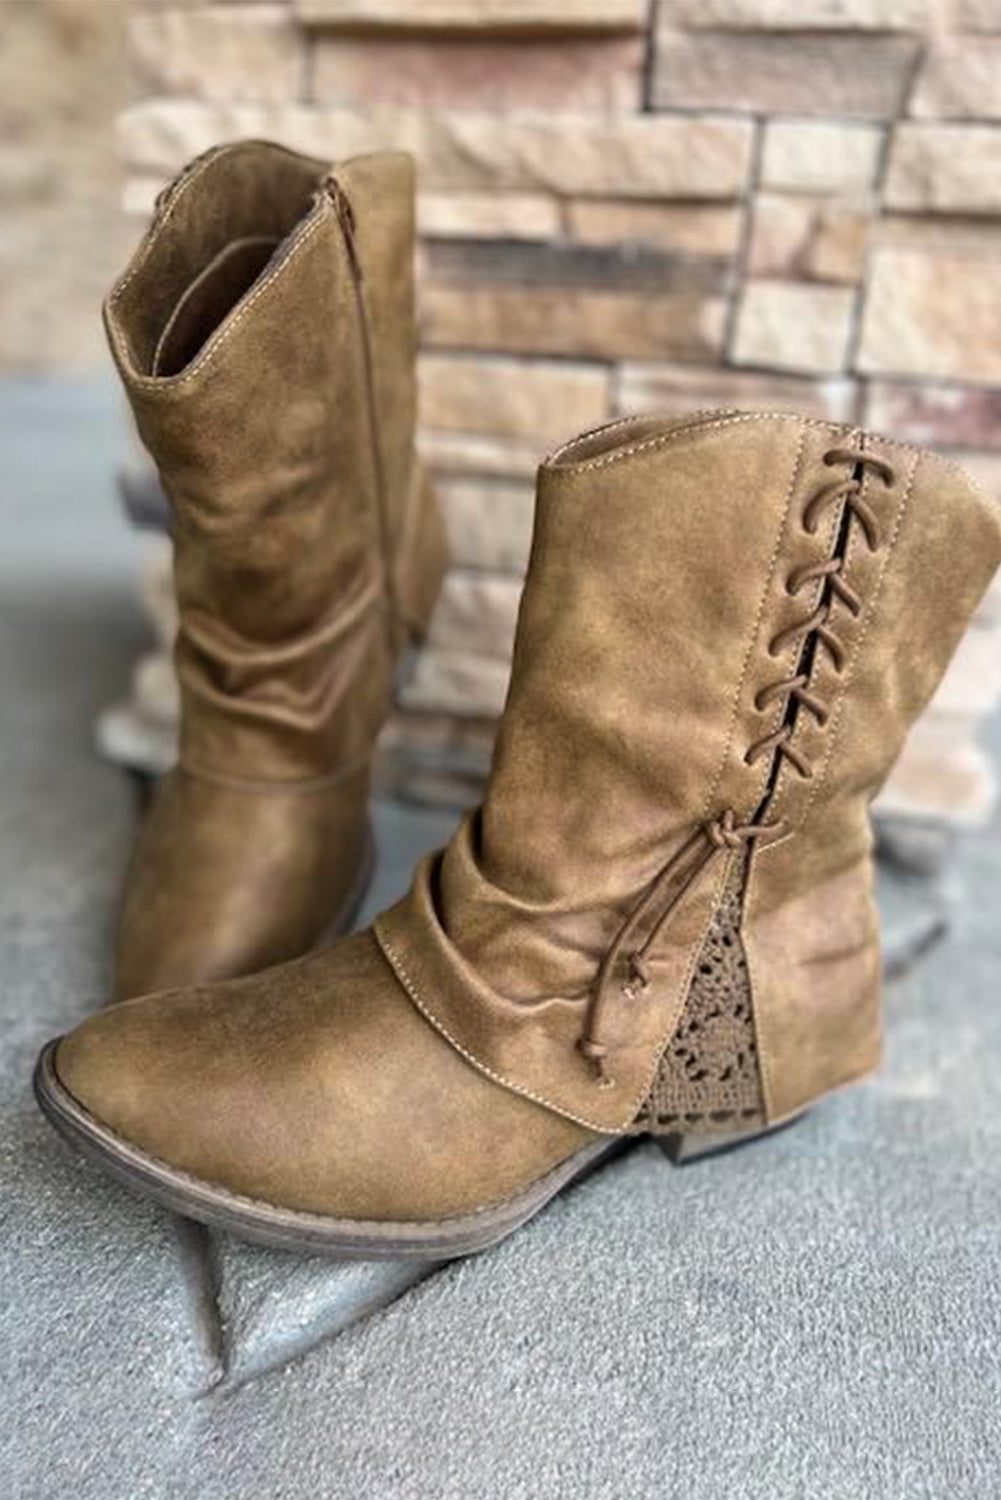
[(765, 1067), (794, 652), (775, 720), (770, 416), (179, 186), (665, 439), (164, 387), (762, 778), (718, 777), (592, 432), (852, 544), (160, 223), (605, 427), (516, 1088), (856, 652), (755, 628)]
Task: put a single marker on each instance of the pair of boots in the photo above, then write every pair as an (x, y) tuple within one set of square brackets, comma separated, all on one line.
[(659, 921)]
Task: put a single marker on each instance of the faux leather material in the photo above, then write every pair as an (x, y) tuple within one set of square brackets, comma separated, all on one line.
[(386, 288), (208, 300), (656, 613), (229, 878), (816, 973), (315, 1086), (283, 429), (659, 579)]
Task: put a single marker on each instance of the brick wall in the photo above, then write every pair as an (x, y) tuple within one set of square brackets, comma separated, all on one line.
[(790, 203)]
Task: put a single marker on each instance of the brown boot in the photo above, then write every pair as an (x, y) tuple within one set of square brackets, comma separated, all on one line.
[(265, 335), (661, 919)]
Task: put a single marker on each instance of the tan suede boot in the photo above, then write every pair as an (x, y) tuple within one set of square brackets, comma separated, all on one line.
[(661, 919), (265, 335)]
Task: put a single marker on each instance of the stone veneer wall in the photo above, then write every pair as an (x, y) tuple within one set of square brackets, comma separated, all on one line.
[(62, 83), (790, 203)]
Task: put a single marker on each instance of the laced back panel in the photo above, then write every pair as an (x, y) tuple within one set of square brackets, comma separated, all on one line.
[(708, 1077)]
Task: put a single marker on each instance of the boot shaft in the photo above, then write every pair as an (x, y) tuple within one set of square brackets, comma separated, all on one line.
[(728, 626), (675, 569), (264, 332), (661, 921)]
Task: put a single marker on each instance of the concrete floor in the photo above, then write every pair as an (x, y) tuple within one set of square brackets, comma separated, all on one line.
[(818, 1316)]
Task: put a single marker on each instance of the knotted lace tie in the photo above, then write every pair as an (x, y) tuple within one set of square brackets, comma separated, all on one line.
[(690, 861)]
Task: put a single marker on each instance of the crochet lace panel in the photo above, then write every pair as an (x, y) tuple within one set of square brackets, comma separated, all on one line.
[(708, 1079)]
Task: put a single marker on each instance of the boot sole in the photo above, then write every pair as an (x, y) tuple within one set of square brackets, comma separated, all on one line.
[(287, 1229)]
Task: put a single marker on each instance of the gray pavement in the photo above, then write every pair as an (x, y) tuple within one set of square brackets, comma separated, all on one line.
[(816, 1316)]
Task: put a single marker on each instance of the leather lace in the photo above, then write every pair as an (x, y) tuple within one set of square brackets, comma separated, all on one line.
[(690, 861), (725, 833), (818, 623)]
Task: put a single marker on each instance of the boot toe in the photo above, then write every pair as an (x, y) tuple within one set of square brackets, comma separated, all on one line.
[(113, 1068), (312, 1088), (253, 1086)]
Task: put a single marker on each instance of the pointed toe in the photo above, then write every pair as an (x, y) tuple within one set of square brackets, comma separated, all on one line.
[(96, 1066)]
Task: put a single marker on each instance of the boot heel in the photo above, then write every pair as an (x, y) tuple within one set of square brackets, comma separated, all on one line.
[(681, 1150), (422, 558)]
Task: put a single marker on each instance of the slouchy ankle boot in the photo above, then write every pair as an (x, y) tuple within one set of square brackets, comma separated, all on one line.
[(264, 332), (661, 919)]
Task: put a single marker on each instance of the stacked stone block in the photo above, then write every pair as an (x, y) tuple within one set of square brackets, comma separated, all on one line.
[(788, 204)]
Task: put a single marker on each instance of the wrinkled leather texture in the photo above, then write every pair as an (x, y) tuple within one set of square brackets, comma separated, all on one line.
[(305, 540), (315, 1086), (658, 582)]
